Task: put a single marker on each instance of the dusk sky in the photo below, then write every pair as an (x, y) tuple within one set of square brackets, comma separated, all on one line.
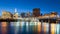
[(46, 6)]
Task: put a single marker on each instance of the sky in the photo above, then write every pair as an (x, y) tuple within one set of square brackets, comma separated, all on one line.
[(46, 6)]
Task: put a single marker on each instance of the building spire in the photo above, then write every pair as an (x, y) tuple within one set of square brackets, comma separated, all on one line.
[(15, 10)]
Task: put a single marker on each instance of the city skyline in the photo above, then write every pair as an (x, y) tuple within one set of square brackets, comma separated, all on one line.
[(45, 6)]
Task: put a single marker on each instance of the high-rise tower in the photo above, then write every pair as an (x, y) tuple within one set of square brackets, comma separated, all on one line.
[(15, 14), (36, 12)]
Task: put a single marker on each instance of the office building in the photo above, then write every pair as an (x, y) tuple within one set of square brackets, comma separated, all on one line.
[(16, 14), (36, 12)]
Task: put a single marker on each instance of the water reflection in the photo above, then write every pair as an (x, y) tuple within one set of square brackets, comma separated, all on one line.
[(12, 27), (39, 27), (17, 27), (53, 28), (0, 27), (46, 28), (31, 27), (4, 27), (27, 26), (57, 28), (22, 27)]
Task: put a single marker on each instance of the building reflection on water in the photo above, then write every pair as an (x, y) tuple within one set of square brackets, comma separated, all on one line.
[(4, 27), (23, 27), (53, 28)]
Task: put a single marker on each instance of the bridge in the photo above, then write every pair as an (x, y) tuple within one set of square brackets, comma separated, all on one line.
[(41, 18)]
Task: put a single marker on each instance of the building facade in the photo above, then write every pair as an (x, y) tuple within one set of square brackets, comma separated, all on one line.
[(53, 14), (36, 12), (6, 15), (15, 15)]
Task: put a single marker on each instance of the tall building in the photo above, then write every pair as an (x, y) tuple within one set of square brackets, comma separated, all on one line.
[(28, 14), (16, 14), (36, 12), (22, 14), (6, 14)]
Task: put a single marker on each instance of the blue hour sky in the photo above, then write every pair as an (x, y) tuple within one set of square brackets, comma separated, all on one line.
[(46, 6)]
